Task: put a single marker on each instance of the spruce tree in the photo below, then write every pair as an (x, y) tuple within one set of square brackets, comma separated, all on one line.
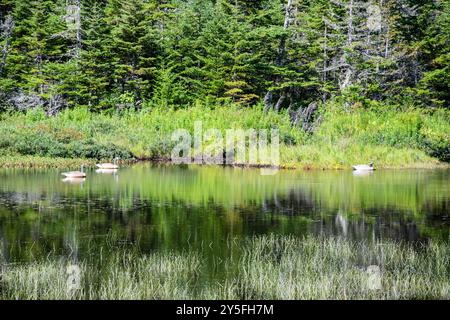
[(184, 48), (134, 48), (95, 64)]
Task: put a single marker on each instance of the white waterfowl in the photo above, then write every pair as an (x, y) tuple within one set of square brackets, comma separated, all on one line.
[(108, 165), (364, 167), (75, 174)]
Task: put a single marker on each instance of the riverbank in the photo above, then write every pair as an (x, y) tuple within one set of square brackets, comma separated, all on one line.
[(390, 138), (37, 162), (268, 267)]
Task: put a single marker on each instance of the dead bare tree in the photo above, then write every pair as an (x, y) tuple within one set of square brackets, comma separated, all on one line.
[(360, 50), (289, 17), (344, 23), (305, 117), (73, 21), (6, 29)]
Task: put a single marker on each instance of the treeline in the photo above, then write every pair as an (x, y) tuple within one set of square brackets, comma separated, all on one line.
[(284, 53)]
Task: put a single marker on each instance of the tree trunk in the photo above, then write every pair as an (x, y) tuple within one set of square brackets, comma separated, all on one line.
[(280, 56), (268, 101), (78, 30), (348, 74), (325, 57), (7, 29), (73, 17), (280, 101)]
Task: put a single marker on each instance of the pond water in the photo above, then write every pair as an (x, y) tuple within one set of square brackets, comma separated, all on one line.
[(182, 208)]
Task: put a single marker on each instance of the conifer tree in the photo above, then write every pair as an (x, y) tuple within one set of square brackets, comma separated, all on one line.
[(134, 46), (434, 84), (287, 53), (183, 48), (229, 43), (6, 31), (95, 57)]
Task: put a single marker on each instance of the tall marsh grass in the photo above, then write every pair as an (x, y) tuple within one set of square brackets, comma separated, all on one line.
[(334, 268), (390, 138), (269, 267), (123, 276)]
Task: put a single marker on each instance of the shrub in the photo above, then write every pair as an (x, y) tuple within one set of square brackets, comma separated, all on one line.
[(380, 132)]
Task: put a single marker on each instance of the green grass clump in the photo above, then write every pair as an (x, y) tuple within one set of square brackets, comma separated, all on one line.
[(345, 154), (41, 280), (157, 276), (26, 162), (146, 134), (389, 137), (268, 267), (124, 275), (334, 268)]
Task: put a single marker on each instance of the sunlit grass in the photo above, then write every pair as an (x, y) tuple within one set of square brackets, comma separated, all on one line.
[(40, 280), (334, 268), (270, 267), (24, 162), (390, 138), (123, 275), (156, 276), (325, 156)]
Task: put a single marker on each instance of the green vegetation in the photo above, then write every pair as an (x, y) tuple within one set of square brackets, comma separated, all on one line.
[(125, 54), (389, 138), (271, 267), (289, 268), (125, 276), (21, 161), (344, 81)]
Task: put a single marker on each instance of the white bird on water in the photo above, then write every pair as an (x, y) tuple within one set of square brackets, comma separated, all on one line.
[(108, 165), (75, 174), (364, 167)]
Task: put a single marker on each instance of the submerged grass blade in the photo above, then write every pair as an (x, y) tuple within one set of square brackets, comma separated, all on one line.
[(270, 267)]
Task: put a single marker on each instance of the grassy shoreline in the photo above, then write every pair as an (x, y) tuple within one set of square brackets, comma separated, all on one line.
[(269, 267), (389, 138), (38, 162)]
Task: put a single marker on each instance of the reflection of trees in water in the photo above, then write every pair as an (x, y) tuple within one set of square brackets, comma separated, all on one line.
[(373, 224), (437, 218), (11, 199), (68, 226), (295, 202), (437, 211), (370, 223), (38, 222), (4, 254)]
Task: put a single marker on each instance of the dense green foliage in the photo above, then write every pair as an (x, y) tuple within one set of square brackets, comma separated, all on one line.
[(79, 133), (134, 54), (390, 138), (369, 80)]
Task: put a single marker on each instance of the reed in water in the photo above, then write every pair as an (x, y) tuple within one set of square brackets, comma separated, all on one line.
[(268, 267)]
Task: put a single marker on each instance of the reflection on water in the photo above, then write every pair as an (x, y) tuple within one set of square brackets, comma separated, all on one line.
[(74, 180), (187, 208), (362, 173), (107, 171)]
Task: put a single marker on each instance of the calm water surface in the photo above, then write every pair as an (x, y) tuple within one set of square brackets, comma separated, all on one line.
[(210, 209)]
